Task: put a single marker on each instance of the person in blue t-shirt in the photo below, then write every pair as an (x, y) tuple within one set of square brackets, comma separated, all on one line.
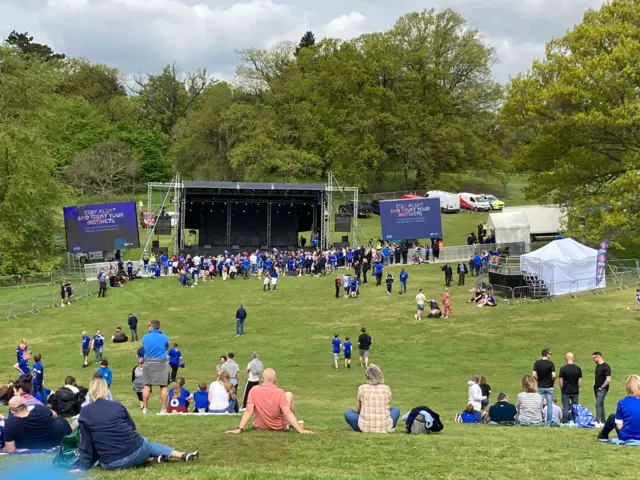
[(86, 348), (245, 268), (105, 372), (38, 377), (201, 398), (404, 276), (23, 364), (353, 286), (130, 269), (626, 421), (179, 397), (20, 349), (175, 359), (156, 272), (98, 345), (337, 347), (291, 266), (378, 273), (268, 263), (347, 351), (274, 279)]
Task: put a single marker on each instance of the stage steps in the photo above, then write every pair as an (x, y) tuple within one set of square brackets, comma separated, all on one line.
[(538, 290)]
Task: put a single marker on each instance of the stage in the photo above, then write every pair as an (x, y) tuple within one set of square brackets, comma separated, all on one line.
[(218, 216)]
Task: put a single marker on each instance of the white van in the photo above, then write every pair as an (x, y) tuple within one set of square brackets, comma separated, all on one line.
[(474, 202), (449, 202)]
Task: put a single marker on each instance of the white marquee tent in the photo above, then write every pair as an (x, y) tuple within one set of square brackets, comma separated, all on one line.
[(510, 227), (566, 266)]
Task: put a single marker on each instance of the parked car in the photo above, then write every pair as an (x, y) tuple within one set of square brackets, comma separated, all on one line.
[(496, 204), (364, 208), (375, 206), (474, 202)]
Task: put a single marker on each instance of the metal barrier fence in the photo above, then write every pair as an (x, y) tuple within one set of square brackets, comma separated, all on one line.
[(91, 270), (466, 252), (33, 279), (31, 305), (542, 292)]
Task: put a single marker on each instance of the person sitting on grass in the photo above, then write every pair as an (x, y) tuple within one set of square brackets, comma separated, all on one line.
[(201, 399), (374, 413), (487, 301), (23, 388), (222, 395), (36, 428), (626, 421), (468, 415), (66, 401), (108, 436), (273, 408), (119, 336), (179, 397), (529, 403), (502, 411), (475, 395)]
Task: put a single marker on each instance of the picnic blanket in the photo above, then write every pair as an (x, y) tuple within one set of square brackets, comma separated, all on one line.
[(197, 414), (617, 441), (27, 451)]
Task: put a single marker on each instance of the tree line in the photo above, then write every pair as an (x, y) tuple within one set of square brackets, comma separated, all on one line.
[(418, 99)]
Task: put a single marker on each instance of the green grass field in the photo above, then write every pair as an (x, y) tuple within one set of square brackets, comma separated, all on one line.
[(424, 363)]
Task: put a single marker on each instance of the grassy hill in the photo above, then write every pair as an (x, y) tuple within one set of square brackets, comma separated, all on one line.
[(425, 363)]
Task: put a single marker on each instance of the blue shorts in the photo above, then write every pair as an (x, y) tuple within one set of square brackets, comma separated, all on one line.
[(420, 307)]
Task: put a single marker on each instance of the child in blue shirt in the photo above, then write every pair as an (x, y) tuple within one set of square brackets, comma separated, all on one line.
[(38, 376), (404, 276), (106, 372), (201, 398), (179, 397), (389, 281), (175, 359), (347, 352), (98, 345), (23, 364), (85, 348), (337, 346)]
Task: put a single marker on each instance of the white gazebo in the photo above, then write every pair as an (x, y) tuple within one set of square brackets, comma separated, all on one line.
[(565, 266)]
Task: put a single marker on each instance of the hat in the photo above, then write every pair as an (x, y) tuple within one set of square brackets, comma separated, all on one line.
[(16, 402)]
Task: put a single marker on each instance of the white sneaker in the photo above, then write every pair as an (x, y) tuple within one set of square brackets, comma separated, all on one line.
[(145, 410), (163, 412), (415, 317), (242, 410)]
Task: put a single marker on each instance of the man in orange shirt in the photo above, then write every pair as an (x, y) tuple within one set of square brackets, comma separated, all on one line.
[(273, 408)]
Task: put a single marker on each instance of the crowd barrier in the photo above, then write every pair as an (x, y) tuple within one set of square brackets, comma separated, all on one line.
[(34, 304), (91, 270), (32, 279), (466, 252), (542, 292)]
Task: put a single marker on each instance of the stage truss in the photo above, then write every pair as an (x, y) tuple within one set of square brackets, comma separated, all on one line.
[(172, 192)]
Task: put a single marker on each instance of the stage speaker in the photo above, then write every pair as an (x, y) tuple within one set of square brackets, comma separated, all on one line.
[(345, 239), (207, 247), (235, 247), (341, 244), (155, 244), (163, 226), (343, 223)]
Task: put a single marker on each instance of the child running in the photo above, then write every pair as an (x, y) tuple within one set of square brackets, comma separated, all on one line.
[(337, 346), (347, 352), (389, 282)]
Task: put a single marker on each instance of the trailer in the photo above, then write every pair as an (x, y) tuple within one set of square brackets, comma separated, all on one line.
[(544, 220)]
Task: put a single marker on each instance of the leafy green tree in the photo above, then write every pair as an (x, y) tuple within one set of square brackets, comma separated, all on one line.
[(97, 84), (308, 40), (25, 45), (576, 115), (30, 193)]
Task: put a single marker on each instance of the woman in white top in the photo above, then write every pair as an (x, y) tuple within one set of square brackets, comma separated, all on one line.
[(530, 403), (220, 393), (475, 396)]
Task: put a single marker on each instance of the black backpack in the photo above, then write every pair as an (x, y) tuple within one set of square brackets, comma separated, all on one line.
[(415, 423)]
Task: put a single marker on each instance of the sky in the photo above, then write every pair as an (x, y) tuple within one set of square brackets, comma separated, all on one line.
[(142, 36)]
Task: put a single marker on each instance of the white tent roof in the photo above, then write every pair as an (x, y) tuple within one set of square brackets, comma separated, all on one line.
[(514, 220), (566, 250)]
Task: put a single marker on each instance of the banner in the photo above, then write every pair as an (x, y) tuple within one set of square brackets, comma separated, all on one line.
[(602, 261), (410, 219), (99, 228)]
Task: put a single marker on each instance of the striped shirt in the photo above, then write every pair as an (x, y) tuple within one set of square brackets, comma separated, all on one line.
[(529, 407), (374, 405)]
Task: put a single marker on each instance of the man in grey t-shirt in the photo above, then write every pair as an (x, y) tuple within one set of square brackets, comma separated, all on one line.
[(231, 367), (254, 370)]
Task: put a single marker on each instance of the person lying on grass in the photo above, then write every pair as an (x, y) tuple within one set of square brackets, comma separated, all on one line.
[(273, 408), (108, 436)]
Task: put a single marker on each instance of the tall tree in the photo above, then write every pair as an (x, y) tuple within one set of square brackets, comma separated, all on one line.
[(24, 44), (576, 114), (166, 98), (308, 40), (30, 193), (97, 84)]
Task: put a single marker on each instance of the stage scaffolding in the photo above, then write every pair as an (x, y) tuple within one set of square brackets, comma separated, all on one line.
[(167, 188), (329, 217)]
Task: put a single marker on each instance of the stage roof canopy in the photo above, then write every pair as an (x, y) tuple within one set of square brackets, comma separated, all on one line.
[(255, 186)]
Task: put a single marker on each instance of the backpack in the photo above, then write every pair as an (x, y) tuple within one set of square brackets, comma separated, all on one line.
[(69, 453), (583, 417), (467, 417), (416, 422)]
